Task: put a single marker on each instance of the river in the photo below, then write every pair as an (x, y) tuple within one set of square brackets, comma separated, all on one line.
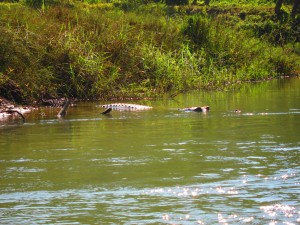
[(160, 166)]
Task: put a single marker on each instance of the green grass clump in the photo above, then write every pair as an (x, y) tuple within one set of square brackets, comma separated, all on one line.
[(107, 50)]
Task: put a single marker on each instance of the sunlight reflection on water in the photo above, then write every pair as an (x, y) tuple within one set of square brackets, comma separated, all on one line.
[(161, 166), (189, 203)]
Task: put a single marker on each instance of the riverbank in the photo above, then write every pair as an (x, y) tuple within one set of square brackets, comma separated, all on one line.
[(106, 51), (10, 110)]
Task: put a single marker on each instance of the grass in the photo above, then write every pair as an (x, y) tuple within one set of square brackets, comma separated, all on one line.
[(111, 50)]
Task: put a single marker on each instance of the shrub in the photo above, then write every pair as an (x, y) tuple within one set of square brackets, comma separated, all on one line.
[(197, 30), (177, 2), (92, 51)]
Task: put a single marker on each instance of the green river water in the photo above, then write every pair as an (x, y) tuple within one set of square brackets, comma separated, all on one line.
[(160, 166)]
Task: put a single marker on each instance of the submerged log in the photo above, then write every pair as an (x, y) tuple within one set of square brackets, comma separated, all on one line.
[(11, 111), (64, 109), (8, 109)]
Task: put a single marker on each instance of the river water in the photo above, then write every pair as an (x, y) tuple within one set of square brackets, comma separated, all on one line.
[(161, 166)]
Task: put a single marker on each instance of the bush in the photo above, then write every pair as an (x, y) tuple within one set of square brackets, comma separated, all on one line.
[(177, 2), (35, 3), (92, 51), (197, 30)]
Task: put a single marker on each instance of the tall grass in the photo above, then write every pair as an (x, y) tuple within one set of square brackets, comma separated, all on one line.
[(103, 51)]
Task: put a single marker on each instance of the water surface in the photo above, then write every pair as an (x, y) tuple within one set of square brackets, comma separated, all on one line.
[(161, 166)]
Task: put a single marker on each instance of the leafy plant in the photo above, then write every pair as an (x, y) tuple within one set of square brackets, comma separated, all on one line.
[(177, 2)]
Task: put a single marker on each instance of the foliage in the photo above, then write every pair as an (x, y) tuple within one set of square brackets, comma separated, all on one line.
[(197, 29), (139, 49), (177, 2)]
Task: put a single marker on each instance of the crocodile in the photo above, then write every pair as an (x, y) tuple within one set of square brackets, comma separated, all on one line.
[(136, 107), (196, 109), (125, 107)]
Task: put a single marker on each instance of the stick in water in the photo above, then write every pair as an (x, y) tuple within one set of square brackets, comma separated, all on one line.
[(63, 110), (15, 111), (106, 111)]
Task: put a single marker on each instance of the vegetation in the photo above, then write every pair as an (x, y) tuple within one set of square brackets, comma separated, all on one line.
[(141, 48)]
